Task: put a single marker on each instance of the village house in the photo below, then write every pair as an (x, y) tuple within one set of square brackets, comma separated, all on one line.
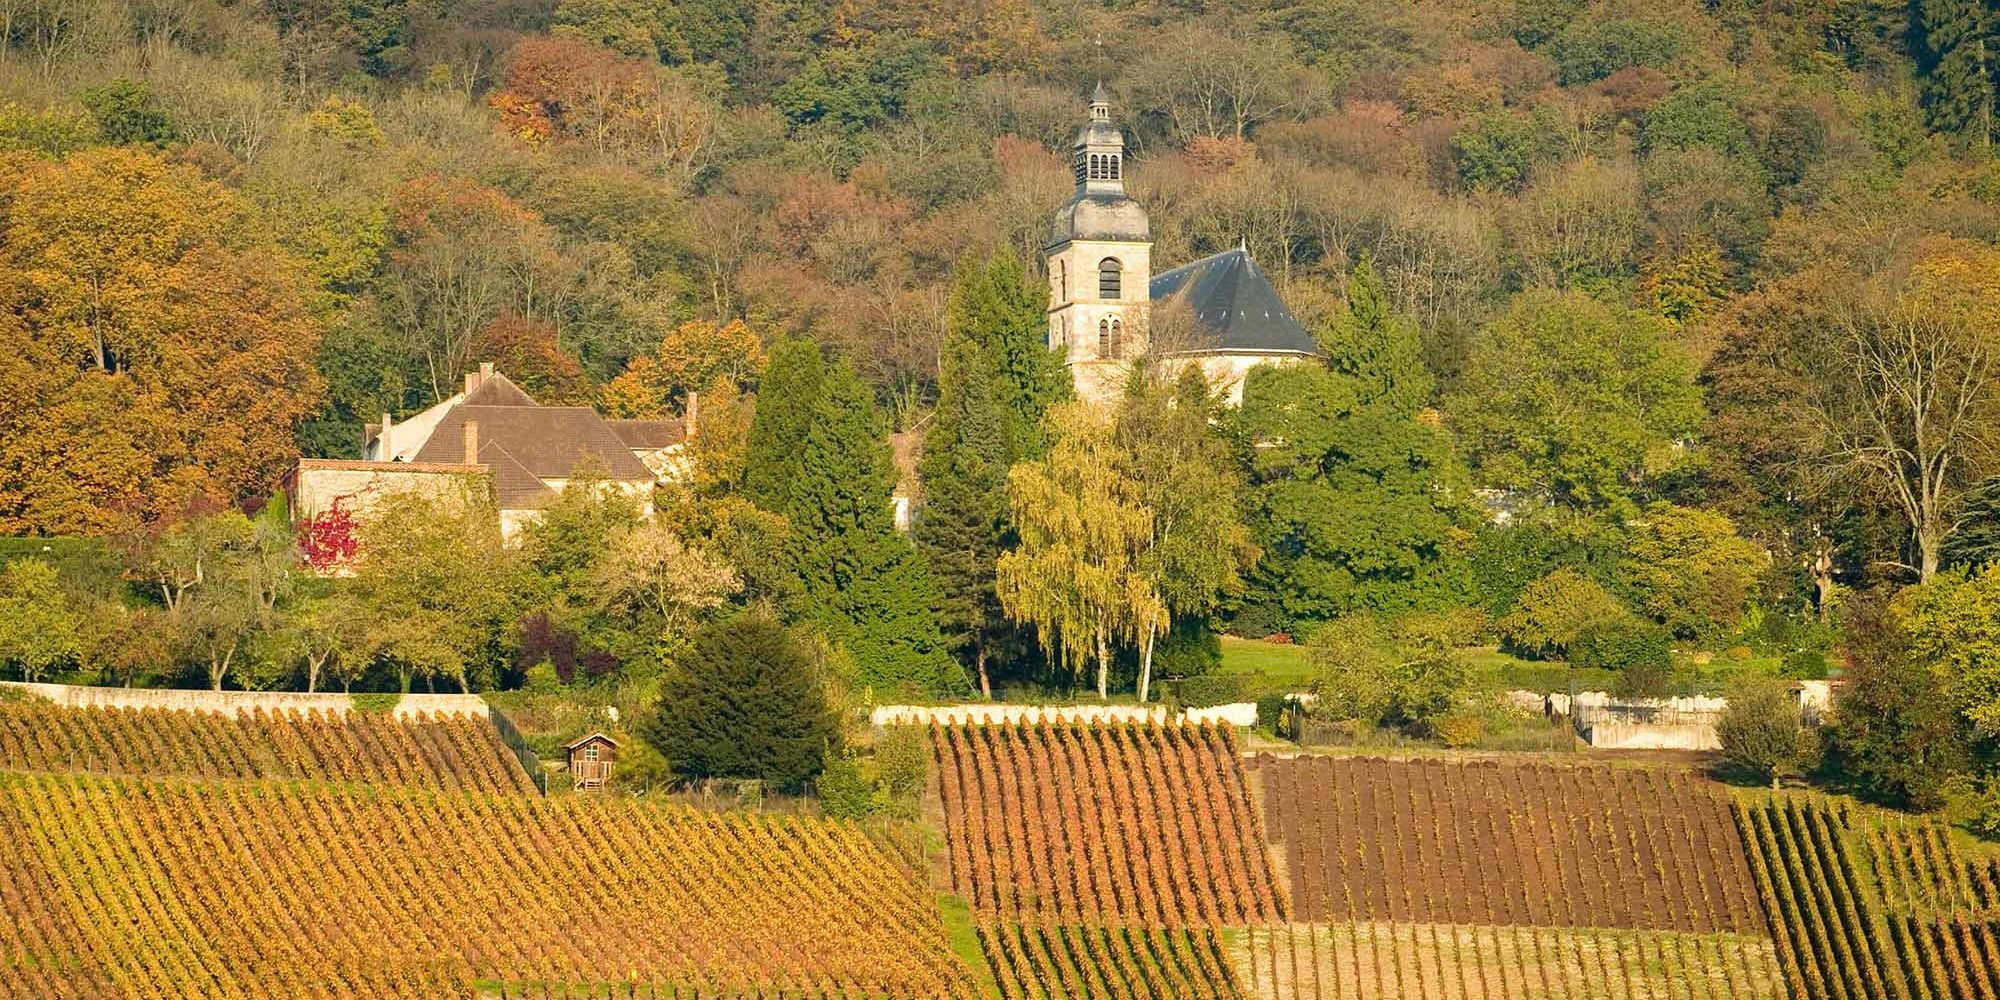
[(1102, 292), (495, 431)]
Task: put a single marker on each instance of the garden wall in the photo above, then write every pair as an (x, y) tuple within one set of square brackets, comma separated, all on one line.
[(1236, 714), (238, 702)]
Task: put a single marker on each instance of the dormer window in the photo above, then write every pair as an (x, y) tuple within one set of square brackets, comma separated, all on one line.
[(1109, 273)]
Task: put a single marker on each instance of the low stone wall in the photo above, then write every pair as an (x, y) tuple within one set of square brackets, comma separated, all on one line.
[(238, 702), (1652, 736), (1239, 714)]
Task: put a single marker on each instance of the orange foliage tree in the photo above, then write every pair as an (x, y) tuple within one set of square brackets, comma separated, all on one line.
[(154, 345), (694, 356), (526, 350)]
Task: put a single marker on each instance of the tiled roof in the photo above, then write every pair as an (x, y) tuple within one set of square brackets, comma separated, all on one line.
[(498, 390), (550, 442), (514, 487), (648, 435), (1231, 297)]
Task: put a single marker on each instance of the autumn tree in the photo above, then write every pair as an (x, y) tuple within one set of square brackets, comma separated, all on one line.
[(1213, 78), (1762, 442), (326, 634), (1197, 547), (433, 578), (1082, 522), (154, 346), (1905, 397), (39, 631), (692, 358)]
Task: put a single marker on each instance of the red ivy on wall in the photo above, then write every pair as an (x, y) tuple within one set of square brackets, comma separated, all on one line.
[(329, 538)]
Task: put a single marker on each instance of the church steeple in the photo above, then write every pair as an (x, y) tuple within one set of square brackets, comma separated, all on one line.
[(1100, 261), (1098, 156)]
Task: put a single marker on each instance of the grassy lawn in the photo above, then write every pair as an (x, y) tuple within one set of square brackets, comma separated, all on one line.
[(1266, 664)]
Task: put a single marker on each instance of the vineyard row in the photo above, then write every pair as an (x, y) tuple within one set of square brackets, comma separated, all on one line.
[(1076, 823), (1862, 910), (450, 752), (1381, 961), (166, 889), (1065, 962), (1433, 841)]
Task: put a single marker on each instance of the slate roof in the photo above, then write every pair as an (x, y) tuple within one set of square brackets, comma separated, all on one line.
[(1236, 303), (648, 435), (548, 441)]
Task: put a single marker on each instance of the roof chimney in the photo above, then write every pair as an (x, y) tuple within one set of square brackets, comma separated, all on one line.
[(385, 450), (693, 414), (471, 382), (485, 371), (472, 442)]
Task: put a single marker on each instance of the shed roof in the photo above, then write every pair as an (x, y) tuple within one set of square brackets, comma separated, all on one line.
[(1233, 300), (586, 739)]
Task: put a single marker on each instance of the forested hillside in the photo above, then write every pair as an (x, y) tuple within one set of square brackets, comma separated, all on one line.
[(1658, 341)]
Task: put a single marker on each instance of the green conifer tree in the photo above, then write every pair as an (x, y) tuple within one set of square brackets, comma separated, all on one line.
[(861, 581), (994, 306), (963, 524), (791, 387), (1958, 70), (744, 704)]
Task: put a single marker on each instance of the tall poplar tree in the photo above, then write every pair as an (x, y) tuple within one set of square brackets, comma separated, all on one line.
[(791, 388), (861, 581)]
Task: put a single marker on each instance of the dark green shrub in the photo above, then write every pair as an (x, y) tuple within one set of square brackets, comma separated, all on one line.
[(1592, 48), (1631, 644), (1208, 690), (1256, 621), (1189, 650), (844, 792), (1270, 708), (1805, 664), (744, 703)]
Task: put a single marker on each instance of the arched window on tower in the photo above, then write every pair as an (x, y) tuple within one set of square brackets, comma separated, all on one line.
[(1062, 281), (1103, 338), (1109, 271), (1117, 339), (1112, 167)]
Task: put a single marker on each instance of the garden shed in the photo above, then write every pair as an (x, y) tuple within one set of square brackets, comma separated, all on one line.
[(590, 760)]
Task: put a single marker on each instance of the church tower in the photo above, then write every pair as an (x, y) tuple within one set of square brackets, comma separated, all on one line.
[(1099, 254)]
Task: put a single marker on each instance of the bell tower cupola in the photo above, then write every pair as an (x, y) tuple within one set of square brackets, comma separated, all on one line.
[(1099, 259)]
